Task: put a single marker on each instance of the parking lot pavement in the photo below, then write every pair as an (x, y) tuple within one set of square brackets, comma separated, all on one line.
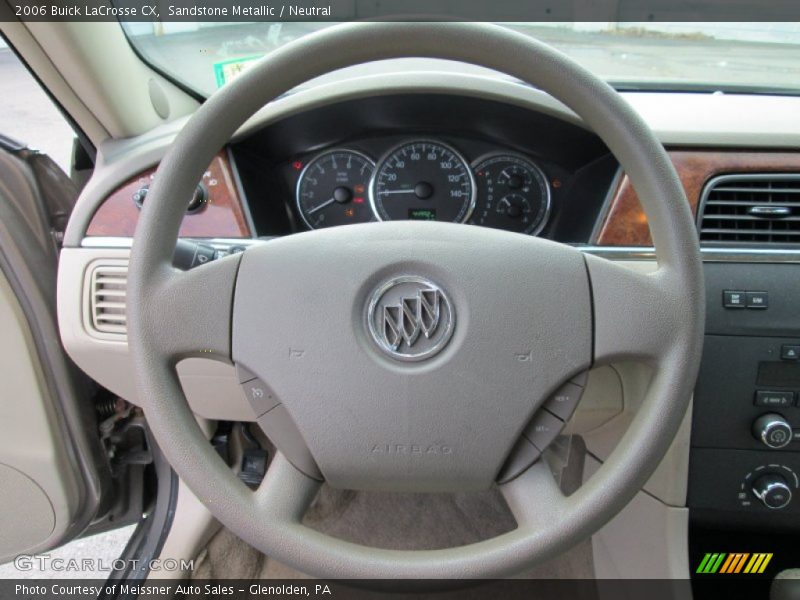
[(28, 115)]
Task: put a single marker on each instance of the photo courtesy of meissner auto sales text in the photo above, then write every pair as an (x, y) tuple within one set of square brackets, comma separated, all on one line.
[(402, 300)]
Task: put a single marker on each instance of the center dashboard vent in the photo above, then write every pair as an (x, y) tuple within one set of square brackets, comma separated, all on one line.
[(106, 298), (752, 209)]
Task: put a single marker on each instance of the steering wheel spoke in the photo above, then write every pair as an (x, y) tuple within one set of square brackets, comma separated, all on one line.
[(190, 311), (534, 497), (637, 315), (286, 493)]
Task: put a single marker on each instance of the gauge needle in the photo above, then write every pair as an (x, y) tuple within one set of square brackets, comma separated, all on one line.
[(385, 192), (321, 206)]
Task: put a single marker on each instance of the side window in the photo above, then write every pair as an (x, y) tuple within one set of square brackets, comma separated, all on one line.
[(28, 115)]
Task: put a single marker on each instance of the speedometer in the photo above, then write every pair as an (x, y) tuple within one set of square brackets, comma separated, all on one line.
[(423, 180)]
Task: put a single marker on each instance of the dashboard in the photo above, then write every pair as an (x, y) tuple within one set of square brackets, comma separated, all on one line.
[(437, 158), (422, 157)]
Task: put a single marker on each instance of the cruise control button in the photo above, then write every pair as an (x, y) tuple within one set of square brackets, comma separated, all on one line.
[(543, 429), (522, 456), (774, 399), (562, 404)]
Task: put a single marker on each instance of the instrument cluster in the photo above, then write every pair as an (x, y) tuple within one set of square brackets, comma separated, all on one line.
[(423, 179)]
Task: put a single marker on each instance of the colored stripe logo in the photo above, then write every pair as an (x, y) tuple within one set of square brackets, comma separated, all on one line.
[(733, 563)]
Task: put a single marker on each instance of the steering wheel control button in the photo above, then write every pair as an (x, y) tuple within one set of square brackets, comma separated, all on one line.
[(790, 352), (563, 403), (281, 430), (773, 491), (244, 374), (543, 429), (773, 431), (521, 457), (261, 398), (757, 300), (410, 318), (734, 299), (774, 399)]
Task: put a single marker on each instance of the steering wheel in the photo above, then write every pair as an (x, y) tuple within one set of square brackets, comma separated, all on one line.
[(411, 356)]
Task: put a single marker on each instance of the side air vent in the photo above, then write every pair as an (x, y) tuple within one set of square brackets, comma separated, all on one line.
[(751, 210), (107, 285)]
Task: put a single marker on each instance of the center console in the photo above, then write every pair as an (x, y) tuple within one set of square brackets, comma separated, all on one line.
[(745, 458)]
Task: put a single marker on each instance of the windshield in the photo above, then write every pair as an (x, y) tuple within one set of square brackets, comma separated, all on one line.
[(745, 57)]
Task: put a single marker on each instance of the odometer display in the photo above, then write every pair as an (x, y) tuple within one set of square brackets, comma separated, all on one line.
[(423, 180)]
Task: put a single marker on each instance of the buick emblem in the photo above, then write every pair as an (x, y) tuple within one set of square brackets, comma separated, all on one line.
[(410, 318)]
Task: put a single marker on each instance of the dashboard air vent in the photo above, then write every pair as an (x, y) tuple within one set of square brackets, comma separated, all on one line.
[(107, 298), (751, 209)]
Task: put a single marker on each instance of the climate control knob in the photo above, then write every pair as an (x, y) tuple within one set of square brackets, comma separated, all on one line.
[(772, 430), (772, 490)]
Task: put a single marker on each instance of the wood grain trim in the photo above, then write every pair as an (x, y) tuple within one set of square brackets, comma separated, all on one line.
[(625, 223), (223, 215)]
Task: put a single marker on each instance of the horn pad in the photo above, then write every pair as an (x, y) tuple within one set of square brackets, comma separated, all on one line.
[(409, 355)]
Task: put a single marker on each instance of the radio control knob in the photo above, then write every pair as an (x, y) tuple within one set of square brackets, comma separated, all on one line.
[(773, 431), (773, 491)]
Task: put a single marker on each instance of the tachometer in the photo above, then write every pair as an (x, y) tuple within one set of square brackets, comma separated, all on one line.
[(332, 189), (423, 180), (514, 194)]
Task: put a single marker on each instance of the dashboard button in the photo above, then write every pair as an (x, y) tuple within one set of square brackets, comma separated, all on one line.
[(774, 399), (773, 431), (733, 299), (789, 352), (773, 490), (757, 299)]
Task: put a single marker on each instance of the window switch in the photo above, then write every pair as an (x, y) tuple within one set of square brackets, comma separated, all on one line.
[(757, 300), (733, 299)]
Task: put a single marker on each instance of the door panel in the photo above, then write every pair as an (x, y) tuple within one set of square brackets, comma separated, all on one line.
[(53, 473)]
